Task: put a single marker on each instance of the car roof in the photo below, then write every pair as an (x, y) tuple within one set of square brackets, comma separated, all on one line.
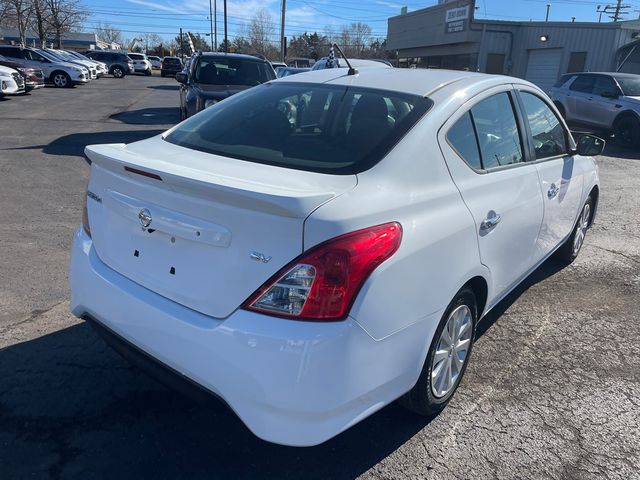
[(233, 55), (416, 81)]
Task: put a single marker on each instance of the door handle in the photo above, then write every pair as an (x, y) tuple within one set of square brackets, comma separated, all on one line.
[(553, 191), (491, 221)]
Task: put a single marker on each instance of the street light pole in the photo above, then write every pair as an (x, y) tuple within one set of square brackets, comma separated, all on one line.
[(546, 18), (215, 26), (226, 41), (211, 25)]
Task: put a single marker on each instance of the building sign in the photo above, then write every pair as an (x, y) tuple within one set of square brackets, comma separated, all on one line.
[(456, 19), (454, 14)]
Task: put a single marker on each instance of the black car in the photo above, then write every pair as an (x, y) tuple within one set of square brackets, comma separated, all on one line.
[(118, 63), (170, 66), (212, 77)]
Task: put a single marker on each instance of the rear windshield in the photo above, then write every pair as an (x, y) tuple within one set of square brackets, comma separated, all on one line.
[(630, 85), (232, 71), (172, 61), (321, 128), (136, 56)]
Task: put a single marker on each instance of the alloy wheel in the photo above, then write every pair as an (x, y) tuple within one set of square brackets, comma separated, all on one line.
[(581, 229), (60, 80), (452, 351)]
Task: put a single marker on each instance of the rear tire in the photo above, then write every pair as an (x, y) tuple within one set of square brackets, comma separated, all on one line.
[(447, 358), (626, 130), (117, 72), (570, 249), (61, 80)]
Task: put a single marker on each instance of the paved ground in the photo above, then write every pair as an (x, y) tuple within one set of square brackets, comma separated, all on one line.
[(553, 389)]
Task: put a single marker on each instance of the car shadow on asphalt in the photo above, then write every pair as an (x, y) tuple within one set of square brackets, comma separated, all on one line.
[(66, 395), (175, 87), (149, 116), (74, 144), (549, 268)]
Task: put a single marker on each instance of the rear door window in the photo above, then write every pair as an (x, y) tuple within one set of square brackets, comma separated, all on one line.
[(314, 127), (604, 84), (583, 84), (497, 130)]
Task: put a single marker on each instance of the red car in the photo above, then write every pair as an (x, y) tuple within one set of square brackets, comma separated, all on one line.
[(33, 77)]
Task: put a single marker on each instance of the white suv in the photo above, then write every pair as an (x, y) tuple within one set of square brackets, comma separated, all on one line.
[(607, 101), (140, 63), (60, 74), (11, 82)]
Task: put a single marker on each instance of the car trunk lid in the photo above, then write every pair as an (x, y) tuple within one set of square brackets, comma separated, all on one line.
[(203, 230)]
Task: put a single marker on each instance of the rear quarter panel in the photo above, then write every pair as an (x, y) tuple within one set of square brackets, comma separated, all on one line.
[(438, 253)]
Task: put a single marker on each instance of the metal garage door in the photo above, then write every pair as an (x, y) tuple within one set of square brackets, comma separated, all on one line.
[(543, 67)]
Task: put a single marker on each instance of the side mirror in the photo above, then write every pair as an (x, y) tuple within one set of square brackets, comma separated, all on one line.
[(590, 145), (181, 77), (610, 94)]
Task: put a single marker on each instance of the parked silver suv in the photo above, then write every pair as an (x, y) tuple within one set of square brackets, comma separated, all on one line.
[(607, 101)]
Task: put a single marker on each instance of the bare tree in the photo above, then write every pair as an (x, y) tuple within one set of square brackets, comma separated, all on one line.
[(260, 32), (108, 33), (64, 16), (354, 38), (39, 23), (18, 14)]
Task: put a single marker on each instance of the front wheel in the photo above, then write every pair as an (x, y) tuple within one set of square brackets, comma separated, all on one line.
[(61, 80), (626, 131), (570, 249), (447, 358)]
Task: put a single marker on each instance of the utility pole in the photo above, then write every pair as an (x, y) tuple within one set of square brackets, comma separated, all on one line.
[(215, 26), (283, 46), (226, 41), (619, 11), (211, 25), (546, 18), (181, 49)]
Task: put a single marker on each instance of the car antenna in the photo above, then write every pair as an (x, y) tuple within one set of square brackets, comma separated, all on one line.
[(352, 71)]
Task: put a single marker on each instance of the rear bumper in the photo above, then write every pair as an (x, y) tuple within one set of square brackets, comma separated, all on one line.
[(294, 383)]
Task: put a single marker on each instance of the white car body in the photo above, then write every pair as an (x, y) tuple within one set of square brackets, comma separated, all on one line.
[(356, 63), (85, 65), (156, 62), (50, 68), (227, 226), (97, 69), (11, 82), (141, 63)]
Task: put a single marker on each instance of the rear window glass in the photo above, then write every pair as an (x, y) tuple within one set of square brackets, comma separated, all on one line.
[(322, 128), (232, 71), (172, 61)]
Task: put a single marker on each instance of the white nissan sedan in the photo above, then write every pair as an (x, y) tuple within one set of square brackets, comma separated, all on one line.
[(317, 247)]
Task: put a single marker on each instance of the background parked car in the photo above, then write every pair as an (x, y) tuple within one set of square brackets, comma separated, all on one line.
[(607, 101), (156, 62), (54, 55), (170, 66), (140, 63), (60, 74), (11, 82), (101, 68), (212, 77), (286, 71), (33, 77), (118, 63), (355, 63)]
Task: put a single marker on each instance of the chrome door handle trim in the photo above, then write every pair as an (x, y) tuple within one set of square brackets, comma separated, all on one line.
[(553, 191), (490, 222)]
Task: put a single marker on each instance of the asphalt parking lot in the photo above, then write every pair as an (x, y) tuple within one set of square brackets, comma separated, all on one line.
[(552, 391)]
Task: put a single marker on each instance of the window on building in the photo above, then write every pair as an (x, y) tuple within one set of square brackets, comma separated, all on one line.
[(462, 138), (495, 63), (583, 84), (498, 134), (577, 62), (548, 134)]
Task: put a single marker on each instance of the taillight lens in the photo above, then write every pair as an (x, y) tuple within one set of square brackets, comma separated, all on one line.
[(323, 282)]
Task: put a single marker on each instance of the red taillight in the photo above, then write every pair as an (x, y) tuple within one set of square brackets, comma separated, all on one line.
[(323, 282)]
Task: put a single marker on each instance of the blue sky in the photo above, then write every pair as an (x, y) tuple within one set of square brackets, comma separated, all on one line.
[(165, 17)]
